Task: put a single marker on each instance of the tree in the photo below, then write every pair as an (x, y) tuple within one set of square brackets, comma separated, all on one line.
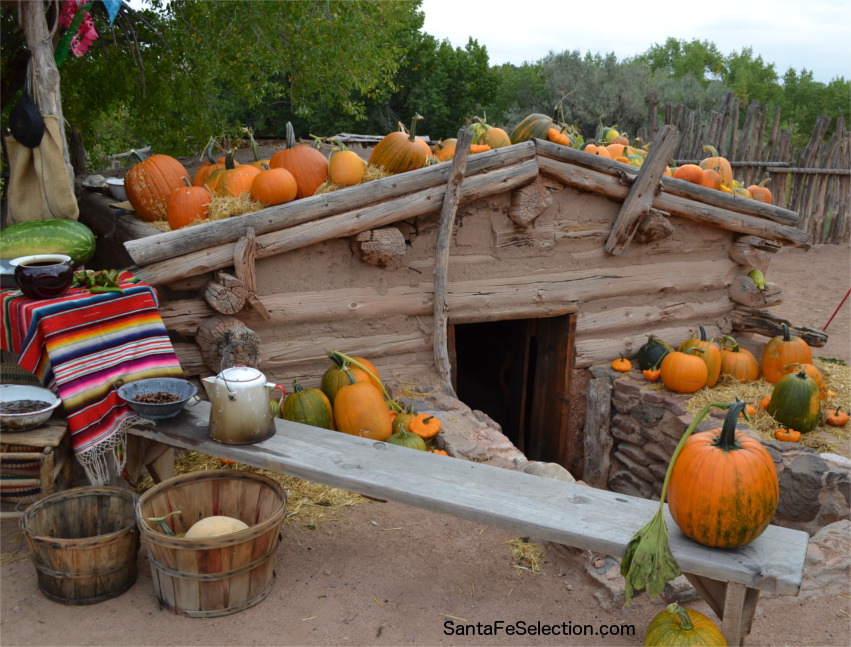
[(678, 58)]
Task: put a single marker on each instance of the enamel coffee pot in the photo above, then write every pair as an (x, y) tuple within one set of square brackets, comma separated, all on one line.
[(240, 407)]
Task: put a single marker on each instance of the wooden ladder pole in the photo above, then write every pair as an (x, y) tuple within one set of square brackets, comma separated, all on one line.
[(441, 255)]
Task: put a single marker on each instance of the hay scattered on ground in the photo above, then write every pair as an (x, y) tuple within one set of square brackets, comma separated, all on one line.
[(13, 543), (823, 439), (527, 556), (308, 503)]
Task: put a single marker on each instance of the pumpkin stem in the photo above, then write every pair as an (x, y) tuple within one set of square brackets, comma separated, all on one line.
[(730, 343), (297, 388), (290, 136), (254, 150), (414, 120), (683, 616), (229, 164), (786, 334), (727, 439), (208, 151), (700, 416), (317, 142)]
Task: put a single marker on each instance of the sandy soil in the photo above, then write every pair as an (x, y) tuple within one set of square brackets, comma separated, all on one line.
[(387, 574)]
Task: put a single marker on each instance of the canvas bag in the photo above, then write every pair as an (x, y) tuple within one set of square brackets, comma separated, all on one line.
[(40, 186)]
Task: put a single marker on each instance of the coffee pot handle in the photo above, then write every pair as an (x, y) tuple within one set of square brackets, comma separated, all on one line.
[(272, 385)]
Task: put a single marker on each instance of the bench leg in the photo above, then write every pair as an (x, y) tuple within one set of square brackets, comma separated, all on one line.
[(734, 603)]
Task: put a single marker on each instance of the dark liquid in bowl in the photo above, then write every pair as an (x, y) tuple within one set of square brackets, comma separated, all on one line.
[(44, 279), (23, 406)]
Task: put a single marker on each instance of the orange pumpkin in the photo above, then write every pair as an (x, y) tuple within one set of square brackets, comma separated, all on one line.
[(738, 362), (150, 183), (690, 173), (273, 186), (398, 152), (424, 425), (787, 435), (622, 364), (723, 488), (760, 191), (232, 180), (558, 136), (684, 372), (711, 355), (600, 151), (495, 137), (208, 167), (711, 179), (359, 410), (444, 150), (782, 351), (721, 164), (346, 168), (307, 164), (652, 374), (188, 204)]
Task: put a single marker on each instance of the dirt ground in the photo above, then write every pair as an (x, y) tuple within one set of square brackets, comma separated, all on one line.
[(387, 574)]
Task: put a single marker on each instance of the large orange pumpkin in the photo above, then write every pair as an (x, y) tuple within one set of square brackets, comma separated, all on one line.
[(738, 362), (723, 488), (684, 372), (399, 152), (360, 410), (307, 164), (711, 354), (150, 183), (782, 351)]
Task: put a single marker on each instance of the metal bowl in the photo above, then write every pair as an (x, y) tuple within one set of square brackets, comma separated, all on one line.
[(116, 188), (31, 419), (131, 391)]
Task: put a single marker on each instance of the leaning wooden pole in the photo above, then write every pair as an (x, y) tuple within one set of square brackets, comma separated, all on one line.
[(441, 256)]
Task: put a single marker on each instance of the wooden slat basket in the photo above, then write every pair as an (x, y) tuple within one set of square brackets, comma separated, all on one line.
[(84, 543), (215, 576)]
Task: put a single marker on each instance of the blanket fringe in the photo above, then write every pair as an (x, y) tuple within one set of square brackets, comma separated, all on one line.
[(96, 460)]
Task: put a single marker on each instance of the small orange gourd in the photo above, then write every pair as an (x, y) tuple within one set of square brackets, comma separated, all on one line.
[(837, 418), (652, 374), (787, 435), (424, 425), (622, 364)]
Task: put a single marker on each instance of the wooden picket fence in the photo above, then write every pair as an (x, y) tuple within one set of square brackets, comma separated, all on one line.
[(814, 181)]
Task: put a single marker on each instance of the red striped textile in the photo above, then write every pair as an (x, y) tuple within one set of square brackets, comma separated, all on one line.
[(79, 344)]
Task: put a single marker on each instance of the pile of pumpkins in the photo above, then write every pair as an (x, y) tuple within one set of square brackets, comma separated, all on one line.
[(787, 363), (352, 399)]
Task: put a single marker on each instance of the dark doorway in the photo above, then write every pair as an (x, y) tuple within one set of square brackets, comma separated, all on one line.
[(517, 372)]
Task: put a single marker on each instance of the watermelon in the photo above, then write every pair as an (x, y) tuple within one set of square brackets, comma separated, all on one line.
[(535, 125), (67, 237)]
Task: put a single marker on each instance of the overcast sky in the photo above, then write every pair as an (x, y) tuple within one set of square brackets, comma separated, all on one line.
[(811, 34)]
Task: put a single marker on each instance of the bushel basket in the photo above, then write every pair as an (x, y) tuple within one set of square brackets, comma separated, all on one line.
[(213, 576)]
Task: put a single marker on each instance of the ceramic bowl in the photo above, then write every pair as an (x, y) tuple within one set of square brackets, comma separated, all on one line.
[(43, 276), (19, 410), (130, 392), (116, 188)]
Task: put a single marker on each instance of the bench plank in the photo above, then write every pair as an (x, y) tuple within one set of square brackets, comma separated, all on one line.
[(567, 513)]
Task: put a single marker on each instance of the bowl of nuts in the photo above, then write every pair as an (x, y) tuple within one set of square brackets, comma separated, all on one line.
[(157, 398), (24, 407)]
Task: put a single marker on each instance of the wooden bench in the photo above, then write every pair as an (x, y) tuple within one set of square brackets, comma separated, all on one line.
[(587, 518)]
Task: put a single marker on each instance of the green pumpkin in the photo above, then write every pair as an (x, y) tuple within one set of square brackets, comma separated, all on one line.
[(402, 420), (535, 125), (308, 406), (677, 626), (407, 439), (652, 352), (795, 402)]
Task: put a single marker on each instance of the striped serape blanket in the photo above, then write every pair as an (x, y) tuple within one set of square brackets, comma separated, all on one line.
[(78, 345)]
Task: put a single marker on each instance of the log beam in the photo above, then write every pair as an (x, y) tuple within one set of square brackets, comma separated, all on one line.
[(745, 319)]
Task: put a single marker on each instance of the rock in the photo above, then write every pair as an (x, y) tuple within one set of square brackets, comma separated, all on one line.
[(800, 483), (549, 470), (827, 570)]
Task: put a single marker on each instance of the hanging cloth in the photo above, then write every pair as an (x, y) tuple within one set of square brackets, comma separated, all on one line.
[(40, 186)]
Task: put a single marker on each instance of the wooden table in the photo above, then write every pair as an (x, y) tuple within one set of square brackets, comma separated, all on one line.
[(729, 580)]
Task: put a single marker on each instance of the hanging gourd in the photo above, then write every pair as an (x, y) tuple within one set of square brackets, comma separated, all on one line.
[(782, 351), (795, 402), (723, 488), (309, 406), (738, 362), (719, 164), (307, 164), (346, 168), (187, 205), (233, 180), (652, 352), (684, 372), (711, 355), (150, 183), (273, 186), (360, 410), (677, 626), (399, 152)]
